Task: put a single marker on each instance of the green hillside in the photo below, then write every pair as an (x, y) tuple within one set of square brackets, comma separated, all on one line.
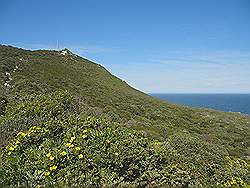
[(67, 121)]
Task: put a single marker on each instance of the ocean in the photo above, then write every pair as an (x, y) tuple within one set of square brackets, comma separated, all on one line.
[(224, 102)]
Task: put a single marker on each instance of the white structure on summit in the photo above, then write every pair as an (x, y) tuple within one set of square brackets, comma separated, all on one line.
[(66, 51)]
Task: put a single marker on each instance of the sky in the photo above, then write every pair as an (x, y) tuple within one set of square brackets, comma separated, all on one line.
[(157, 46)]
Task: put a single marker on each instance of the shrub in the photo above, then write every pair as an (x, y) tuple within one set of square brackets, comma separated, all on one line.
[(55, 146)]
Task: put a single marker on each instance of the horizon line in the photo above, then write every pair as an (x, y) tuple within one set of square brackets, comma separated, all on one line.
[(196, 93)]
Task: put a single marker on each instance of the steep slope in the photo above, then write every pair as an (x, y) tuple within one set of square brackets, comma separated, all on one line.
[(66, 121), (102, 94)]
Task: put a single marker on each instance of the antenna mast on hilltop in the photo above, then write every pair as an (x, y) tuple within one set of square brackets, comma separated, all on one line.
[(57, 45)]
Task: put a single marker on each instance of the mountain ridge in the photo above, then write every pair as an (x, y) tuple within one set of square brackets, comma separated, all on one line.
[(41, 87), (94, 84)]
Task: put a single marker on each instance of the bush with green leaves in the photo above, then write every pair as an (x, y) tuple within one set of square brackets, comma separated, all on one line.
[(84, 152), (53, 145), (33, 110)]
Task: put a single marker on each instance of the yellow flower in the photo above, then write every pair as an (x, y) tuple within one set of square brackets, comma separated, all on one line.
[(68, 144), (116, 154), (77, 148), (47, 173), (21, 133), (84, 136), (233, 181), (48, 155), (72, 139), (17, 142), (63, 153), (11, 148), (80, 156), (54, 167), (38, 186), (9, 153), (71, 145), (51, 158), (85, 131)]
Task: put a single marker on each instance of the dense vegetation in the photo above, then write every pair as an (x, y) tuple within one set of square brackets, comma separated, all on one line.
[(65, 121)]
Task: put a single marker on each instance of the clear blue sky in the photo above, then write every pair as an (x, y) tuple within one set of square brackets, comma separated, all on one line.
[(167, 46)]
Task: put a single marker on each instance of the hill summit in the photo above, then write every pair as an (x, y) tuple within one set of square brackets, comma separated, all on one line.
[(66, 121)]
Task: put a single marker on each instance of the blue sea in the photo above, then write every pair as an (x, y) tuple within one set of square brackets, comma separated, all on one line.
[(223, 102)]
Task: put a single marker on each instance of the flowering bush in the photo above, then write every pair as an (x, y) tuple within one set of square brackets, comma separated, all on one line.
[(64, 149)]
